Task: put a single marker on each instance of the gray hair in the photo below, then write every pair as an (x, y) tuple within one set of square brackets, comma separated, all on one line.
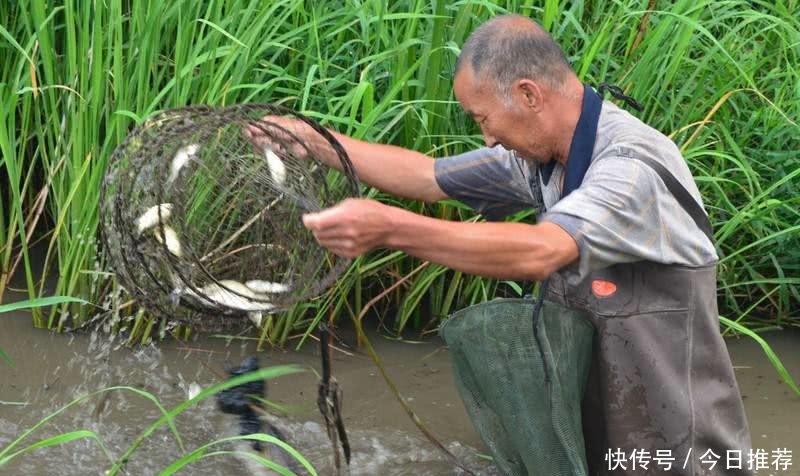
[(511, 47)]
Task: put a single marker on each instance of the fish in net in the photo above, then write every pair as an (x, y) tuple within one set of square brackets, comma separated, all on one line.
[(201, 224)]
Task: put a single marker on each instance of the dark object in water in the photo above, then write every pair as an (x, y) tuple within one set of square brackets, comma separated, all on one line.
[(244, 400), (329, 401)]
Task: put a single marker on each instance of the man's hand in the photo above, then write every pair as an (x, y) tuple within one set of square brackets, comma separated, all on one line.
[(352, 227), (286, 136)]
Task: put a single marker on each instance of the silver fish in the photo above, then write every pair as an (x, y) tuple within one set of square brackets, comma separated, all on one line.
[(182, 157), (277, 169), (171, 238), (150, 218), (267, 287)]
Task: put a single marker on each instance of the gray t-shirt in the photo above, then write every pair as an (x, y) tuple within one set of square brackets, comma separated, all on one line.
[(622, 212)]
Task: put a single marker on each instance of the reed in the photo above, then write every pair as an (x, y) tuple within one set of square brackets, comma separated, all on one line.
[(720, 77)]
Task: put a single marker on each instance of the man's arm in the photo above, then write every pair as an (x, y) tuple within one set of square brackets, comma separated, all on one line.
[(395, 170), (496, 250)]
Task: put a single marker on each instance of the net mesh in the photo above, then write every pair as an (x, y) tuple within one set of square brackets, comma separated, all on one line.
[(524, 400), (194, 213)]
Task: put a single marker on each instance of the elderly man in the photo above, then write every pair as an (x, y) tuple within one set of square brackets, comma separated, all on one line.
[(623, 237)]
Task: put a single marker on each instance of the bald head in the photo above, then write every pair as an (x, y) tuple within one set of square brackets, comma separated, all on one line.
[(512, 47)]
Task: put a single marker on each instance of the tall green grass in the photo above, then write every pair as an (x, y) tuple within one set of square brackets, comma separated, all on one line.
[(721, 77)]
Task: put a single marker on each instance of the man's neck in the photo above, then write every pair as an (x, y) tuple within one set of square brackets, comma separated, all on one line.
[(569, 104)]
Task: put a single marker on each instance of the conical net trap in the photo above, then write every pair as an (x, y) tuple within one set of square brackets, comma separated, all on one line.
[(201, 224)]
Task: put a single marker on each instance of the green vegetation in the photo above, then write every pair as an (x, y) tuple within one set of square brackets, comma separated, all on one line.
[(720, 77)]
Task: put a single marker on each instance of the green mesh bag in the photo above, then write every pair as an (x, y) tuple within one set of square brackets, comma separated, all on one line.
[(523, 391)]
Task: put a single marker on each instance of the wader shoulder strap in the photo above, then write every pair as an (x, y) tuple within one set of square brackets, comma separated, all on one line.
[(682, 195)]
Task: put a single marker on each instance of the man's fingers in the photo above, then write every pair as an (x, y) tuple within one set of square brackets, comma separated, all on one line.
[(322, 219), (311, 221), (345, 248), (253, 131), (255, 136), (333, 241), (327, 230)]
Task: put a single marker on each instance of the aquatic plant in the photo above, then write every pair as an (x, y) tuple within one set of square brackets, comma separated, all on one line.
[(721, 78)]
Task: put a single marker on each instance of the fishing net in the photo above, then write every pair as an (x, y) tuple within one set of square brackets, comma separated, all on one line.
[(201, 223), (521, 373)]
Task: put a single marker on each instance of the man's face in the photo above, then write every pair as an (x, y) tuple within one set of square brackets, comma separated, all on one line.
[(512, 124)]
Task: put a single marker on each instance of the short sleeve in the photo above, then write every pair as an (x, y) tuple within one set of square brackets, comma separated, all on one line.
[(492, 181), (623, 212)]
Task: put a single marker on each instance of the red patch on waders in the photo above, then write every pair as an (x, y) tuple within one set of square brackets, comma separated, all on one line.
[(603, 289)]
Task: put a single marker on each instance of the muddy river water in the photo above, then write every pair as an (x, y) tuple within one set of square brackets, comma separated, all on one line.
[(51, 370)]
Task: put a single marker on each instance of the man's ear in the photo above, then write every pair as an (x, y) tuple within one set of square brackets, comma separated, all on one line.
[(529, 93)]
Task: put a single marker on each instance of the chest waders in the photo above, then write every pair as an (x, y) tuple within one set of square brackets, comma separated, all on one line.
[(629, 360)]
